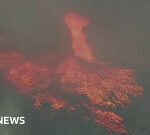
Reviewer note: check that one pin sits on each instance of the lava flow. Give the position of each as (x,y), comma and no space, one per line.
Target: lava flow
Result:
(80,75)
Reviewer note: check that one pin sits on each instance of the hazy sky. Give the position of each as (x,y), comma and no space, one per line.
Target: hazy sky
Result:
(119,29)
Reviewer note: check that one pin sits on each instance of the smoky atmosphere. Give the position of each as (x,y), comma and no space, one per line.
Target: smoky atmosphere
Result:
(74,67)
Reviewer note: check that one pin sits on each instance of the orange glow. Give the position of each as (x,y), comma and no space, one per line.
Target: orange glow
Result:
(29,77)
(103,86)
(112,121)
(56,103)
(76,23)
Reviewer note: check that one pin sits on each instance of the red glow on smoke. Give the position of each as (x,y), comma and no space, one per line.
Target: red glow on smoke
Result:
(103,86)
(76,23)
(10,60)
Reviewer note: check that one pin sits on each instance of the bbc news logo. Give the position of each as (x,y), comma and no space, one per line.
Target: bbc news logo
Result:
(12,120)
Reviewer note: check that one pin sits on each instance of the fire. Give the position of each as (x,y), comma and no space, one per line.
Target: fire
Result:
(103,86)
(106,87)
(110,120)
(76,23)
(29,77)
(56,103)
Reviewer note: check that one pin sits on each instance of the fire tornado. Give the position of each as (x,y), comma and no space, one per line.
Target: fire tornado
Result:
(79,74)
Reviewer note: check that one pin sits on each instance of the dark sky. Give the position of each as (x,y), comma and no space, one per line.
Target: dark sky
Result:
(119,32)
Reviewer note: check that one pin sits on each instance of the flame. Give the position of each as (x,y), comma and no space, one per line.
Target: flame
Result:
(103,86)
(76,23)
(29,76)
(106,87)
(56,103)
(110,120)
